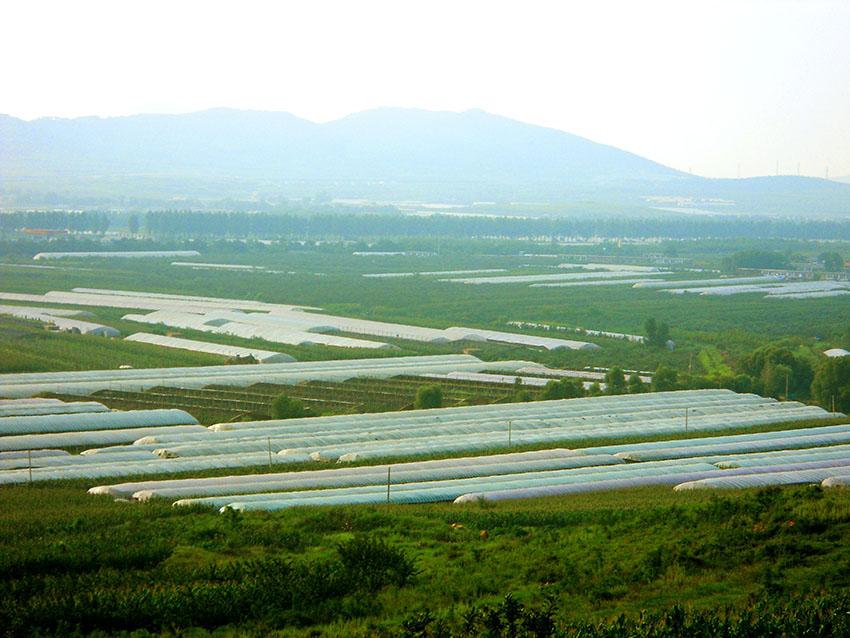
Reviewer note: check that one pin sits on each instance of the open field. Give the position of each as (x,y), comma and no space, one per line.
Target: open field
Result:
(151,567)
(78,563)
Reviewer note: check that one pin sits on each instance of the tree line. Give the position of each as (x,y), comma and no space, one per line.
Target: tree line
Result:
(327,221)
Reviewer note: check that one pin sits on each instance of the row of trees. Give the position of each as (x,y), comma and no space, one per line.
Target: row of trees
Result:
(326,221)
(350,224)
(76,221)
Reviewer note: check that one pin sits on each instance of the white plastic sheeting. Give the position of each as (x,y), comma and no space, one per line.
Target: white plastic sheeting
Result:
(72,460)
(722,281)
(117,253)
(130,468)
(88,437)
(27,312)
(279,323)
(352,437)
(61,322)
(204,265)
(611,267)
(481,377)
(289,336)
(88,382)
(214,485)
(757,459)
(594,283)
(435,491)
(767,479)
(263,356)
(837,352)
(267,328)
(770,289)
(15,425)
(23,454)
(391,275)
(572,374)
(399,478)
(793,440)
(528,279)
(183,301)
(550,343)
(683,478)
(815,294)
(731,448)
(54,407)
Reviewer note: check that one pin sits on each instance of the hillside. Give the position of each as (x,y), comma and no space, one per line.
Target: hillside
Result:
(385,154)
(399,144)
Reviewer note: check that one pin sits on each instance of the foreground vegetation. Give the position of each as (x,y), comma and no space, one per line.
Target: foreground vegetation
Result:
(631,563)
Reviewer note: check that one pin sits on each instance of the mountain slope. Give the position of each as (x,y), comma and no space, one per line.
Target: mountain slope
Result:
(384,154)
(395,144)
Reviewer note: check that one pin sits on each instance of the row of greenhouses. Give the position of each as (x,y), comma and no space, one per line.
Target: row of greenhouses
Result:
(261,356)
(88,382)
(280,323)
(33,430)
(298,327)
(105,254)
(468,479)
(88,421)
(557,277)
(448,431)
(59,319)
(33,407)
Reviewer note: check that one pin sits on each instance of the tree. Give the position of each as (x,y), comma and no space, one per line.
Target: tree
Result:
(832,383)
(636,386)
(657,333)
(761,364)
(664,379)
(832,261)
(777,380)
(563,389)
(428,396)
(285,407)
(615,379)
(133,224)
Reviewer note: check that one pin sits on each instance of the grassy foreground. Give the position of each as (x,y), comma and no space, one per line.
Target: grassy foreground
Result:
(748,563)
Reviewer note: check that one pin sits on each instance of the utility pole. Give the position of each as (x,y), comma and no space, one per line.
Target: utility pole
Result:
(389,470)
(686,419)
(270,451)
(510,427)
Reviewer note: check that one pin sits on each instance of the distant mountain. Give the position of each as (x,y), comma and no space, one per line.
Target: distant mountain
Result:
(384,153)
(394,144)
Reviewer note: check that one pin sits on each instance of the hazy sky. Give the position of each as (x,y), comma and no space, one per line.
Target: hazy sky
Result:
(708,86)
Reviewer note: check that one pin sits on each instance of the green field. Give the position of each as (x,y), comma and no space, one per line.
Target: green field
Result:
(74,562)
(639,563)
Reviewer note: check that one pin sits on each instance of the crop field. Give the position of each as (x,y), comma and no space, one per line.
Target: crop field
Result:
(153,568)
(632,557)
(215,404)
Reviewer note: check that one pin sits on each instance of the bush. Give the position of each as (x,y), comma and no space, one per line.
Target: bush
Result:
(428,396)
(285,407)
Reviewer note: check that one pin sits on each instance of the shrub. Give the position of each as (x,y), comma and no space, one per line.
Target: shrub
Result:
(285,407)
(429,396)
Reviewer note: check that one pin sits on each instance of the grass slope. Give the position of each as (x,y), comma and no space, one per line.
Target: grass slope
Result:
(69,561)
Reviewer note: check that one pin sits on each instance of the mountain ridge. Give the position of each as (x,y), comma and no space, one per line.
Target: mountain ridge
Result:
(388,152)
